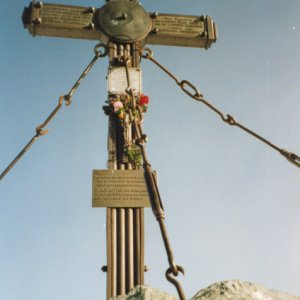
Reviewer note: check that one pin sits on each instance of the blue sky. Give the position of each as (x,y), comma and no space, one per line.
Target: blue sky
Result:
(232,204)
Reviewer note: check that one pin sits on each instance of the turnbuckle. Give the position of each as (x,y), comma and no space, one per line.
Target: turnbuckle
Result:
(291,157)
(157,207)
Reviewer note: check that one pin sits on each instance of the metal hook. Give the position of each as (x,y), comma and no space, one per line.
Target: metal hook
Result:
(148,54)
(175,282)
(98,53)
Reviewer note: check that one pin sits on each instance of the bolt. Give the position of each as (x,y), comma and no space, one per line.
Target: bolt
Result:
(154,15)
(145,138)
(155,30)
(91,10)
(104,269)
(91,26)
(37,21)
(38,4)
(146,269)
(123,17)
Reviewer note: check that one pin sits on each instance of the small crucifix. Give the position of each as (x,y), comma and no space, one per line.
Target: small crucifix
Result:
(124,27)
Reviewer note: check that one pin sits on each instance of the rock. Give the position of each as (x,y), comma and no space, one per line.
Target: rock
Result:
(145,293)
(238,290)
(224,290)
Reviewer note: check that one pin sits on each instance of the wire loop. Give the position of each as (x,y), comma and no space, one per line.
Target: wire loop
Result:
(185,83)
(148,53)
(67,98)
(193,92)
(98,52)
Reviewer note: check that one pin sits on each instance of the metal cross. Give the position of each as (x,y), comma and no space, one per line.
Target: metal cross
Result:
(124,27)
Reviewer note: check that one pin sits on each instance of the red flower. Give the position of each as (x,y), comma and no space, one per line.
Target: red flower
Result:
(144,100)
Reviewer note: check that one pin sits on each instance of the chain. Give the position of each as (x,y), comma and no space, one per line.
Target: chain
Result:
(194,93)
(40,131)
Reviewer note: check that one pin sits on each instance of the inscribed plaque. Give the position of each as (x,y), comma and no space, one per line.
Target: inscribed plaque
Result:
(65,16)
(179,25)
(120,188)
(118,81)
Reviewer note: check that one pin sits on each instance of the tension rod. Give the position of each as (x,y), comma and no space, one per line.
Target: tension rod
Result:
(40,131)
(194,93)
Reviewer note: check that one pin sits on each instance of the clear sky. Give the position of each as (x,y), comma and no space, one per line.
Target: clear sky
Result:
(232,204)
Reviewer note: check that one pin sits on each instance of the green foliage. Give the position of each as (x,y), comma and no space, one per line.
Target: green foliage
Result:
(134,155)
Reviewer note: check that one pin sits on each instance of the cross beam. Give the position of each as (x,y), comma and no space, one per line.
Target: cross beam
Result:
(92,23)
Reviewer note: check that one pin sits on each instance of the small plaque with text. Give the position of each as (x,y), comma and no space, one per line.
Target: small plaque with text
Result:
(120,188)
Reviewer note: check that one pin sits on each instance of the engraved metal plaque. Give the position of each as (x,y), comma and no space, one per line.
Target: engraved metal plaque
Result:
(120,188)
(181,30)
(179,25)
(56,15)
(118,83)
(121,20)
(58,20)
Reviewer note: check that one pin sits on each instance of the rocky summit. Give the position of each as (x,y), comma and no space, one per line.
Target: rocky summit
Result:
(239,290)
(224,290)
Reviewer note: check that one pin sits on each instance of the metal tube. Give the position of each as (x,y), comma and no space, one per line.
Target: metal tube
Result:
(129,250)
(111,231)
(121,50)
(137,247)
(142,245)
(121,259)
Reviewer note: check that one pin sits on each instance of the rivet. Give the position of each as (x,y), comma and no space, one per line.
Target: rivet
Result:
(154,15)
(37,21)
(91,26)
(104,269)
(91,10)
(38,4)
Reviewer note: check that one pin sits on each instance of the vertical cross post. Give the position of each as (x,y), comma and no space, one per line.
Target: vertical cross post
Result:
(125,226)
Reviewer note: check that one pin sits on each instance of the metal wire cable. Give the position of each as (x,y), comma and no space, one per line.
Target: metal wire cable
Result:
(40,131)
(194,93)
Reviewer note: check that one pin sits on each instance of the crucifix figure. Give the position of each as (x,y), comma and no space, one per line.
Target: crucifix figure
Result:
(124,27)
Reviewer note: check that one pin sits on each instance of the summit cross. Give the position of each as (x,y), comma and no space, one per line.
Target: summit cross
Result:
(123,27)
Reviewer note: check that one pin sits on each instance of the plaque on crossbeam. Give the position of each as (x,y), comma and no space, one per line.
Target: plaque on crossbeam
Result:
(182,30)
(119,188)
(57,20)
(121,21)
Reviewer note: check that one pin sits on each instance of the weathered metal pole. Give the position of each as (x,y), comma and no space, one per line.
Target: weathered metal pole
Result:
(125,226)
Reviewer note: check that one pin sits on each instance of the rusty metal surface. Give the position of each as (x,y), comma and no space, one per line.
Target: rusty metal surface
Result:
(58,20)
(122,21)
(125,265)
(181,30)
